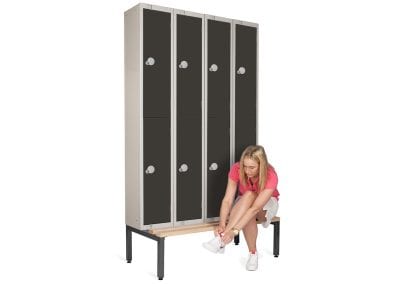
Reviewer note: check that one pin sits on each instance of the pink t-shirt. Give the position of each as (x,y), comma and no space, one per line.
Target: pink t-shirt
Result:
(271,182)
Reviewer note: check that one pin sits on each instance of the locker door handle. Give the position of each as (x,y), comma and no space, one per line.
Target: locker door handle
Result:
(150,170)
(241,70)
(150,61)
(213,68)
(213,167)
(184,64)
(183,168)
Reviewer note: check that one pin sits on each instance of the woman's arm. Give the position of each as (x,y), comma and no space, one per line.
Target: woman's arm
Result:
(226,205)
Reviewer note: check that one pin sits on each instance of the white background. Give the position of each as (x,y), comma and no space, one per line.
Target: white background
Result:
(329,120)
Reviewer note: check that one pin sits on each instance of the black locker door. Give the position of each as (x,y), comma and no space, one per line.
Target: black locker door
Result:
(189,190)
(218,164)
(189,118)
(156,117)
(156,63)
(246,88)
(218,128)
(157,171)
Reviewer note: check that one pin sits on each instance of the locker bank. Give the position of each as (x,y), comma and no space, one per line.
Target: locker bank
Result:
(190,110)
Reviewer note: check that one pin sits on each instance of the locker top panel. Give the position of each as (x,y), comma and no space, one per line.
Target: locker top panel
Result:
(194,14)
(152,7)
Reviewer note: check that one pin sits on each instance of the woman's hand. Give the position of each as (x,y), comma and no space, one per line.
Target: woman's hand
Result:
(227,236)
(219,230)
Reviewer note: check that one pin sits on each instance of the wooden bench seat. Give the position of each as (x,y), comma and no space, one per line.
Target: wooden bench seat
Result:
(191,229)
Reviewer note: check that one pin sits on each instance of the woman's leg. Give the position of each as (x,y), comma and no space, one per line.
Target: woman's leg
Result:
(240,208)
(250,232)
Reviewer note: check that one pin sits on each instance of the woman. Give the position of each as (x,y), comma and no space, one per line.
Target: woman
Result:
(257,200)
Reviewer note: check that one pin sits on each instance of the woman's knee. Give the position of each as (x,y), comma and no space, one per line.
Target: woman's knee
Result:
(249,195)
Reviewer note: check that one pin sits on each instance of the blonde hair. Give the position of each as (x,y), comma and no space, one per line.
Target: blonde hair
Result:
(257,154)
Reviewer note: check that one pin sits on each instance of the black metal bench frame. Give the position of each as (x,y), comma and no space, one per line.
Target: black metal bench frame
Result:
(160,245)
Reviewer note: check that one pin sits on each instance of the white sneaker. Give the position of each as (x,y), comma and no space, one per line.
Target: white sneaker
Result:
(269,217)
(215,245)
(252,262)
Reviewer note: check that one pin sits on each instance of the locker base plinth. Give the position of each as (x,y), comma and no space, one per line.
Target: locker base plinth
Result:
(159,235)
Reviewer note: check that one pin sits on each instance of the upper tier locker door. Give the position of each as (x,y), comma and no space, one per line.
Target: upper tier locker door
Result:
(218,108)
(245,88)
(156,117)
(189,91)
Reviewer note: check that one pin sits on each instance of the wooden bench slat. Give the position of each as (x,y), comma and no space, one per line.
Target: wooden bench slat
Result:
(166,232)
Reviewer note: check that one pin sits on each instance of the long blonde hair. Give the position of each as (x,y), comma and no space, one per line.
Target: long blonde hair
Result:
(257,154)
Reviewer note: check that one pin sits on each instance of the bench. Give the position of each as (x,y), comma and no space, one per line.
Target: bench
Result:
(160,234)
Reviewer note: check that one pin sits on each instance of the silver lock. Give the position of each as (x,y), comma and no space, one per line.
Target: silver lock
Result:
(184,64)
(213,167)
(150,61)
(213,68)
(150,170)
(241,70)
(183,168)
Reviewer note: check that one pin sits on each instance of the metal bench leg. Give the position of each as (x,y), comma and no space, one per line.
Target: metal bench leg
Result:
(160,248)
(236,240)
(128,245)
(276,238)
(160,258)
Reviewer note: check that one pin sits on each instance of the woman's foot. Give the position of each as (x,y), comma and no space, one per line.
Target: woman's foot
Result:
(252,262)
(215,245)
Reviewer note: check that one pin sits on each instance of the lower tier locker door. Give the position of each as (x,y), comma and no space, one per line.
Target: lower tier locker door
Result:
(245,88)
(189,174)
(218,156)
(157,171)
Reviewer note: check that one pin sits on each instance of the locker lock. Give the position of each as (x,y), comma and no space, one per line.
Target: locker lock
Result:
(213,68)
(241,70)
(213,167)
(150,61)
(184,64)
(150,170)
(183,168)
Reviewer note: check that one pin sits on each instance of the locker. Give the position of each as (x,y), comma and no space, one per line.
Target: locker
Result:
(156,116)
(156,200)
(190,109)
(246,88)
(157,74)
(218,112)
(189,93)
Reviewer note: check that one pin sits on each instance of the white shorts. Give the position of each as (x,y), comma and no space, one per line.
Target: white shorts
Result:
(272,207)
